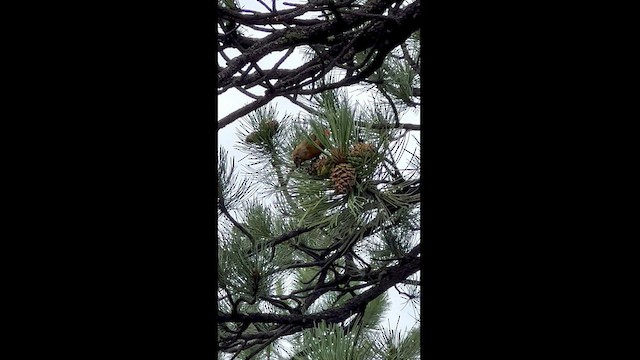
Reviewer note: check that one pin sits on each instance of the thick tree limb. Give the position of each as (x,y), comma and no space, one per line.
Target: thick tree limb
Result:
(338,40)
(392,276)
(244,110)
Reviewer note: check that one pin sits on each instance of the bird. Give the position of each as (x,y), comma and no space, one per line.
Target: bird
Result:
(307,151)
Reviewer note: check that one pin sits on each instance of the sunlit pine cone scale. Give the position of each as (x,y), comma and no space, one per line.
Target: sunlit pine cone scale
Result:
(343,177)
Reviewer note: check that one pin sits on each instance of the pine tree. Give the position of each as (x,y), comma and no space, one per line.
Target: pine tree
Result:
(309,245)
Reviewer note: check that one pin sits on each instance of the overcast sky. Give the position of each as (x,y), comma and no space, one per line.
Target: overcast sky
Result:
(232,100)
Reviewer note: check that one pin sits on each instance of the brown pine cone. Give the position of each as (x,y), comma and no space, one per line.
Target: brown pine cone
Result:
(343,177)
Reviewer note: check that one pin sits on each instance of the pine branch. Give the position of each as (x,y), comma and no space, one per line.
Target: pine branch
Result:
(388,278)
(365,26)
(282,238)
(224,210)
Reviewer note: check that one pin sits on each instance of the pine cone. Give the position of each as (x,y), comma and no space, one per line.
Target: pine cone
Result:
(252,138)
(320,167)
(362,150)
(338,156)
(272,126)
(343,177)
(325,167)
(313,168)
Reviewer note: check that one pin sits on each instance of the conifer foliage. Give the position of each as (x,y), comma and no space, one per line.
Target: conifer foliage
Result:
(326,220)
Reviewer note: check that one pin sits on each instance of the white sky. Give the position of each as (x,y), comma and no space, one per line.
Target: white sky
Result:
(401,313)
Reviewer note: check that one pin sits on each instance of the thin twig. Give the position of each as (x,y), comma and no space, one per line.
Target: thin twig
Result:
(266,6)
(284,237)
(393,106)
(407,57)
(224,210)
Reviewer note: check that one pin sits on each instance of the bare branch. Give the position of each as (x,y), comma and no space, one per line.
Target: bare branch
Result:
(244,110)
(392,276)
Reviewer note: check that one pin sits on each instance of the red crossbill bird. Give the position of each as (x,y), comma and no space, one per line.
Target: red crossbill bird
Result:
(307,151)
